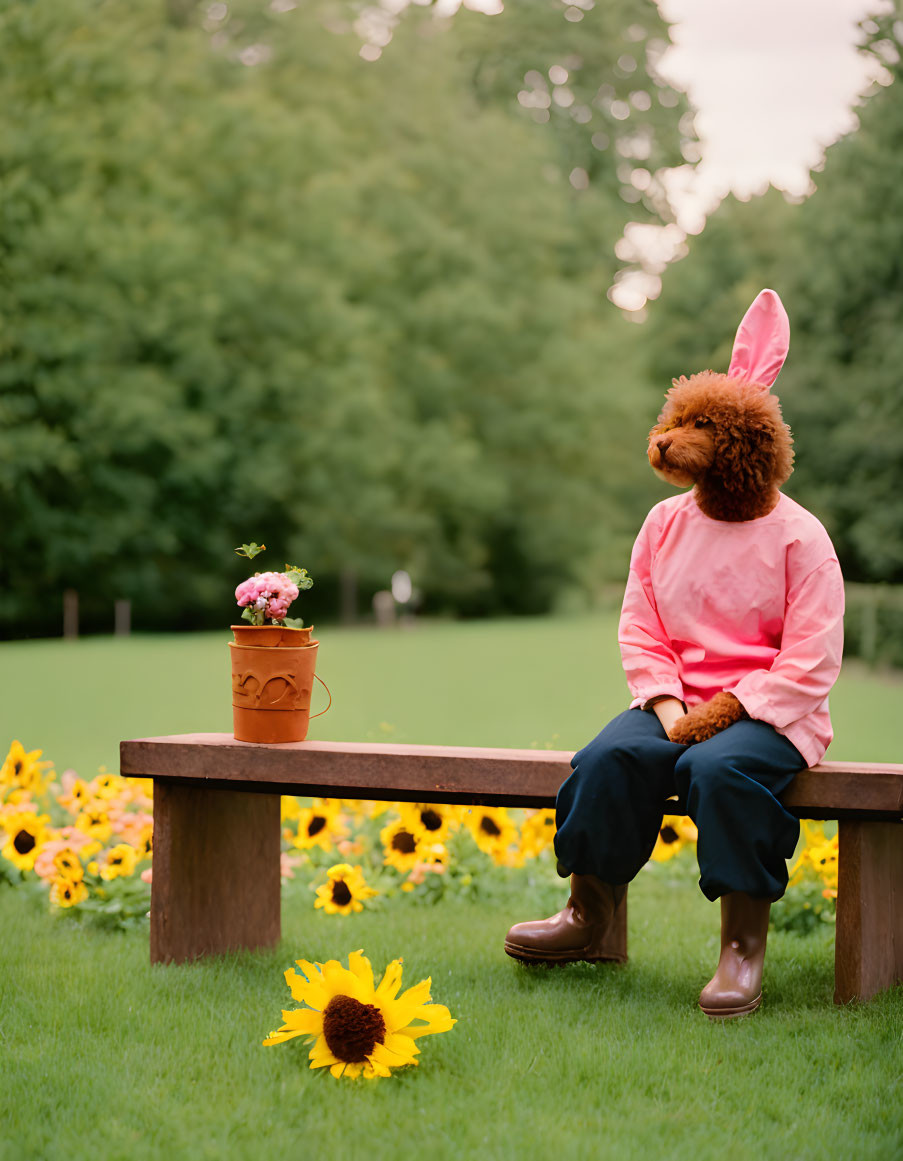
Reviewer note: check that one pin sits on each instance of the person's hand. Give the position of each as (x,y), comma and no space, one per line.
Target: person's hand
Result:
(668,711)
(706,720)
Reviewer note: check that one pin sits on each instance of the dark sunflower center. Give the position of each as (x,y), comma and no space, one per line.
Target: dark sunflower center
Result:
(341,896)
(316,825)
(404,842)
(17,769)
(669,835)
(352,1029)
(431,820)
(24,842)
(487,826)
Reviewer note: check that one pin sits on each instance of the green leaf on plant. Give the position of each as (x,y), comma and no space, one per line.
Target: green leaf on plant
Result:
(250,550)
(298,576)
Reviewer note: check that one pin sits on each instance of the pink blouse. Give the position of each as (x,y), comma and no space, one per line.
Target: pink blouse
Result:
(754,607)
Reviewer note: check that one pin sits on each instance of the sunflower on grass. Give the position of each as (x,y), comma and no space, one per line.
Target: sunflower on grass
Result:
(344,891)
(145,841)
(402,840)
(65,892)
(75,796)
(319,825)
(22,774)
(95,822)
(68,865)
(119,862)
(434,820)
(358,1028)
(26,833)
(493,831)
(675,832)
(107,786)
(536,834)
(819,855)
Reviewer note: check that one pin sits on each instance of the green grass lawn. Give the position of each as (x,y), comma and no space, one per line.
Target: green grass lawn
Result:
(539,682)
(105,1057)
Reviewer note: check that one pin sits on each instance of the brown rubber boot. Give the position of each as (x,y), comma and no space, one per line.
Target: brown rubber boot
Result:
(736,987)
(592,927)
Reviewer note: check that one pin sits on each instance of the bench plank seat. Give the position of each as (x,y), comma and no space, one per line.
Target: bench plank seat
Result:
(462,774)
(217,831)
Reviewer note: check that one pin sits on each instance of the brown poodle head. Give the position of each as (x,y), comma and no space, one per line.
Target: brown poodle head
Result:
(728,438)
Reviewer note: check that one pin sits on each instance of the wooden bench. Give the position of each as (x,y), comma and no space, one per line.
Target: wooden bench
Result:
(216,882)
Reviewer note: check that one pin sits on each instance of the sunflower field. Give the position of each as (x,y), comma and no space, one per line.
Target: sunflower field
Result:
(89,845)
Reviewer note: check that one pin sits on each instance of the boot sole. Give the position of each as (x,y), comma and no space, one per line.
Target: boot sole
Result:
(730,1013)
(551,958)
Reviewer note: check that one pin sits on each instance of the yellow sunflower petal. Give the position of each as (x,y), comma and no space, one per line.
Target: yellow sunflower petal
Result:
(313,994)
(321,1055)
(391,981)
(311,970)
(409,1001)
(339,981)
(338,1069)
(306,1020)
(386,1056)
(437,1017)
(282,1035)
(362,968)
(401,1045)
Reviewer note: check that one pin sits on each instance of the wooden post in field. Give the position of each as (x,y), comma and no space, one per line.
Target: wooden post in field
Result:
(70,614)
(122,618)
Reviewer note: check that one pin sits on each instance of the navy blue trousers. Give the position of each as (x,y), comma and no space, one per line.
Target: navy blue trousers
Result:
(610,809)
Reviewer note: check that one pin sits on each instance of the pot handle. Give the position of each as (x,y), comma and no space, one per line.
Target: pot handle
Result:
(326,687)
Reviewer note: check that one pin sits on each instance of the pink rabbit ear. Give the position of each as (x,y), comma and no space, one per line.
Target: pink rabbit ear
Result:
(762,342)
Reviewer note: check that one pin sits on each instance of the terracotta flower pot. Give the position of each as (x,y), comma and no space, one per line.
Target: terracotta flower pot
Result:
(276,635)
(271,688)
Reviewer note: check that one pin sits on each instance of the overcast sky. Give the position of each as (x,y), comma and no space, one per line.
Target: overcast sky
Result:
(774,83)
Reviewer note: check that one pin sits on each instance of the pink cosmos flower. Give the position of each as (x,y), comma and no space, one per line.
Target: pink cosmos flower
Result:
(69,837)
(287,864)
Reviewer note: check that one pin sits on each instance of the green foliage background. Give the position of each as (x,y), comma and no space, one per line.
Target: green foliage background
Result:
(255,286)
(351,309)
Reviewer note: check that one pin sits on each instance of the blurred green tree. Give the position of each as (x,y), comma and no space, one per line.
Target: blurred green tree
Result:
(256,286)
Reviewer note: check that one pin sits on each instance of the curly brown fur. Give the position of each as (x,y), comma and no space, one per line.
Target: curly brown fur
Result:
(705,720)
(726,437)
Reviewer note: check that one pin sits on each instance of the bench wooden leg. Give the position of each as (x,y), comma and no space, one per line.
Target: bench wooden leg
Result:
(216,882)
(868,949)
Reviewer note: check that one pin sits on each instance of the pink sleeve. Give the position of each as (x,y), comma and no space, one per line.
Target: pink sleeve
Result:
(805,669)
(650,663)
